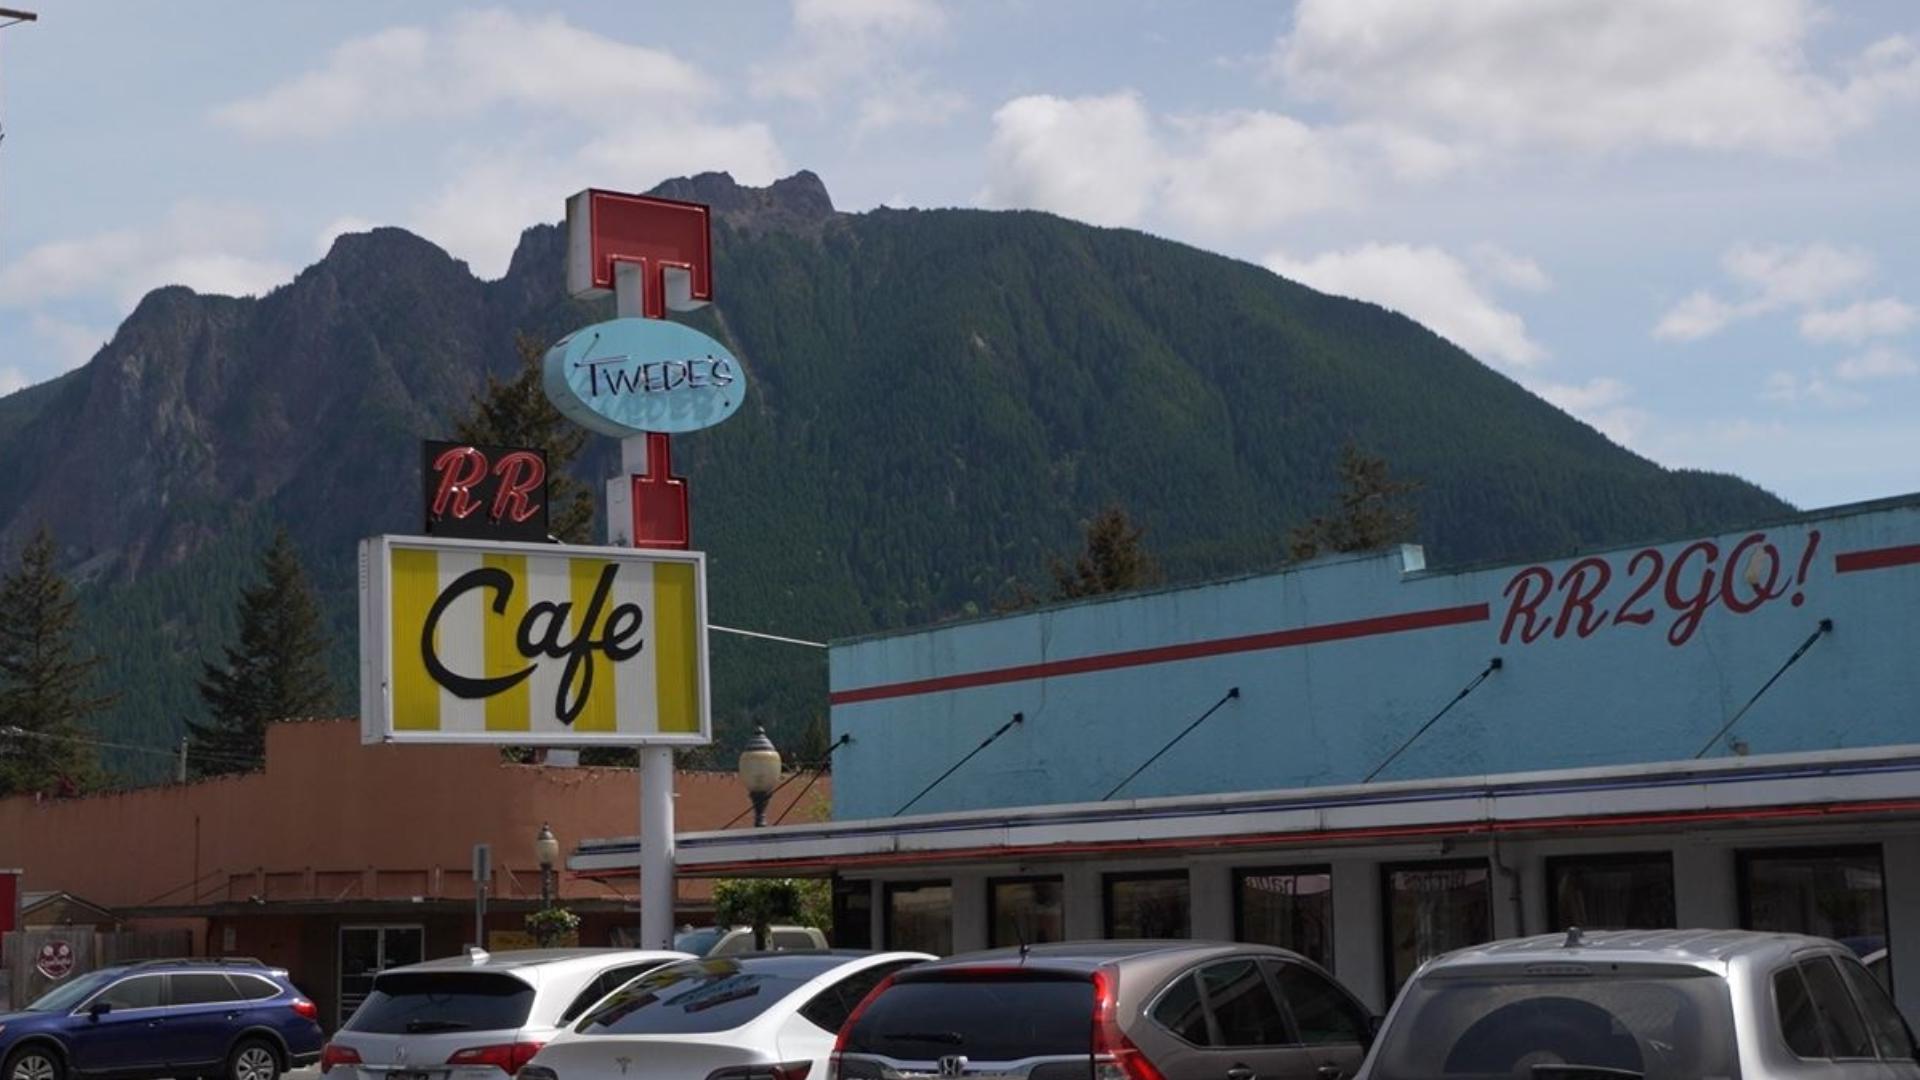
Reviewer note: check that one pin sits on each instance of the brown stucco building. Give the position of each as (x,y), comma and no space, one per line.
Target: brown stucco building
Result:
(339,859)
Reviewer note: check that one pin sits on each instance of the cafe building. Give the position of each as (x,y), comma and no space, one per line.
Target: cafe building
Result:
(1373,762)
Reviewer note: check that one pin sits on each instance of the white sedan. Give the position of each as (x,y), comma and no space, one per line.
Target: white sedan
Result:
(766,1016)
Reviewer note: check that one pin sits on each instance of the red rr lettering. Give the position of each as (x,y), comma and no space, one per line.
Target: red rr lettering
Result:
(1583,583)
(1526,603)
(460,469)
(521,474)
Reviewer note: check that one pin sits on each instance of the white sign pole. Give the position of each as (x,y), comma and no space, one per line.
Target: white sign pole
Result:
(657,892)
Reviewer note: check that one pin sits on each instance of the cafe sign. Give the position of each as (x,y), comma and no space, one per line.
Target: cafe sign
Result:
(629,376)
(532,644)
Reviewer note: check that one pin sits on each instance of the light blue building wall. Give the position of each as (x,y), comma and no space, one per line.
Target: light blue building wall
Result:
(1637,654)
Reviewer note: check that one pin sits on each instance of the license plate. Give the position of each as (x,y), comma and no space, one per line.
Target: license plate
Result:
(408,1076)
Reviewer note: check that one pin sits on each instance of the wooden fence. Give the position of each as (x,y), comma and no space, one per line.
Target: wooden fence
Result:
(27,957)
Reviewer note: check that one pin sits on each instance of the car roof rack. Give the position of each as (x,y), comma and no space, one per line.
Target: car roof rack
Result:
(196,961)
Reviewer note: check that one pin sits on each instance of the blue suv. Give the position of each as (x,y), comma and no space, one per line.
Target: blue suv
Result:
(235,1020)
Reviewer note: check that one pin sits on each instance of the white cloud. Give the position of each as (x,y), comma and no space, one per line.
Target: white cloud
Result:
(12,380)
(1253,170)
(473,64)
(1855,323)
(1601,402)
(207,247)
(1094,158)
(1775,276)
(1426,284)
(72,343)
(859,44)
(1593,74)
(1787,388)
(1509,269)
(1879,362)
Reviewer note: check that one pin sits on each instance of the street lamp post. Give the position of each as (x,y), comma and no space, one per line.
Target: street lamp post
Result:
(760,773)
(546,849)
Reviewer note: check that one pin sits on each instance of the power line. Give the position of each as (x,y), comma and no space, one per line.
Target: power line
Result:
(171,752)
(1230,695)
(1825,628)
(767,637)
(814,767)
(1018,718)
(1493,665)
(817,774)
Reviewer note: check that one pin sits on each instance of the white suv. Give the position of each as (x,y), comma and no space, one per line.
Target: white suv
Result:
(482,1015)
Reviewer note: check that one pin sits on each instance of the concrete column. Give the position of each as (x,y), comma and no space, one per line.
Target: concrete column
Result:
(1210,887)
(970,930)
(1900,858)
(1703,887)
(1080,894)
(877,915)
(1533,893)
(657,891)
(1359,959)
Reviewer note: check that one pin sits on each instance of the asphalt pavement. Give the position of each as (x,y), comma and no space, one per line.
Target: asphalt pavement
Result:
(311,1072)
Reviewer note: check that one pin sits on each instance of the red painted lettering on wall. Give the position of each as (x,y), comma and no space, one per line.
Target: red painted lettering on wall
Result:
(1697,578)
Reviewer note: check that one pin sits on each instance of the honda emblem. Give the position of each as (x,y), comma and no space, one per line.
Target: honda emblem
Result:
(953,1065)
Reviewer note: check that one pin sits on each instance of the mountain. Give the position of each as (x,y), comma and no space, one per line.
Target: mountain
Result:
(938,398)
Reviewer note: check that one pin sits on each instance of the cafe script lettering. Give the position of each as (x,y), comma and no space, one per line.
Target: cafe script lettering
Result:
(1652,589)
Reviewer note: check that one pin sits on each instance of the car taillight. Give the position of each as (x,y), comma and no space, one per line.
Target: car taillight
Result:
(303,1007)
(1114,1055)
(507,1057)
(840,1041)
(335,1054)
(786,1070)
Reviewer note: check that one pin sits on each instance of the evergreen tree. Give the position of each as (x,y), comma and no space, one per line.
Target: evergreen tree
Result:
(516,412)
(44,680)
(1372,511)
(1111,559)
(278,671)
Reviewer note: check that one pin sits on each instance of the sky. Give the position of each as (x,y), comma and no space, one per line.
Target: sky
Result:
(1691,225)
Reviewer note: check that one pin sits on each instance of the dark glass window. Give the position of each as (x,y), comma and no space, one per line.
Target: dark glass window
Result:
(1434,908)
(985,1019)
(424,1003)
(920,916)
(700,996)
(139,992)
(1611,892)
(602,985)
(1837,893)
(852,914)
(201,988)
(830,1008)
(1889,1029)
(1025,910)
(1845,1030)
(1798,1022)
(1291,907)
(254,988)
(1148,905)
(1324,1015)
(1243,1005)
(1180,1011)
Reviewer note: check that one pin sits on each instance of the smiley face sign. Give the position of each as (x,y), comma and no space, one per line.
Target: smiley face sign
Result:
(55,960)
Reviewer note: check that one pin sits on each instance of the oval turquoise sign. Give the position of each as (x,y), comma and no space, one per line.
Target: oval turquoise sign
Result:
(632,375)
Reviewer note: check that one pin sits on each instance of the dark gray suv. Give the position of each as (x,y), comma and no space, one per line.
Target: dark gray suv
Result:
(1111,1010)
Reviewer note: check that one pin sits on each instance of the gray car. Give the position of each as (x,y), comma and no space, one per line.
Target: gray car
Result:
(1662,1005)
(1181,1010)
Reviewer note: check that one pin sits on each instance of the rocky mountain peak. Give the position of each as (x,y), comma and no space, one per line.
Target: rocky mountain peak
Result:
(798,203)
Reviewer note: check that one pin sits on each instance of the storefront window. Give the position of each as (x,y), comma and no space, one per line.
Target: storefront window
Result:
(1434,908)
(852,914)
(1148,905)
(920,916)
(1611,892)
(1836,892)
(1291,907)
(1025,910)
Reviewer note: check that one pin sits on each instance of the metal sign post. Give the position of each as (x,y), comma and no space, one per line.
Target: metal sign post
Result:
(482,875)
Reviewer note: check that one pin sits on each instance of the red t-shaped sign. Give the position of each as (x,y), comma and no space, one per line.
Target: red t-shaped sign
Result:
(653,254)
(666,242)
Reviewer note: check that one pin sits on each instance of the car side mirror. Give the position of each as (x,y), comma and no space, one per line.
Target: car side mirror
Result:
(99,1009)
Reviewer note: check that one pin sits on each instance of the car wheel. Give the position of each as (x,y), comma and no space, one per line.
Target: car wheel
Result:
(251,1060)
(33,1063)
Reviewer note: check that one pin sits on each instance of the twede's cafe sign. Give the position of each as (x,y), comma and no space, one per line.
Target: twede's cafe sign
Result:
(540,644)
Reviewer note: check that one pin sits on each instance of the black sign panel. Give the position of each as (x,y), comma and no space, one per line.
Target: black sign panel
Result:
(484,492)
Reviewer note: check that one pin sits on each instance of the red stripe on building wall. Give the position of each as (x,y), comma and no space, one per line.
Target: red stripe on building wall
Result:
(1192,650)
(1876,558)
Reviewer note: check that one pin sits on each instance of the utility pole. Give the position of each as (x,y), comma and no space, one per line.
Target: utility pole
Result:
(180,771)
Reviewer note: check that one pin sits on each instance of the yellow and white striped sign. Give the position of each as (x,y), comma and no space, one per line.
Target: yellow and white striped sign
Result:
(531,644)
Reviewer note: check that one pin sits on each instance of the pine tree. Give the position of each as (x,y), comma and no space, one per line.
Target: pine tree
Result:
(516,412)
(1111,559)
(1372,511)
(44,680)
(279,669)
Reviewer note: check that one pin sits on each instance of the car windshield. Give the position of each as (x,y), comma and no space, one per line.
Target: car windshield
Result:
(66,997)
(1573,1024)
(426,1002)
(698,942)
(696,996)
(985,1019)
